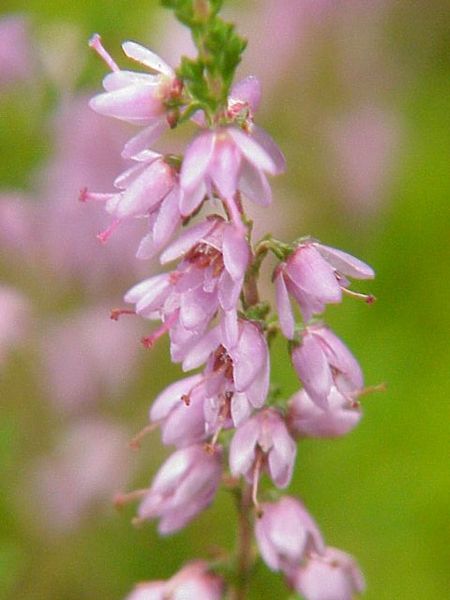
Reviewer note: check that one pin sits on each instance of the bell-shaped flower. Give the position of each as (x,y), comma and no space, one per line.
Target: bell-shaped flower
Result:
(210,276)
(184,486)
(315,275)
(182,422)
(263,443)
(226,160)
(149,189)
(194,581)
(138,98)
(286,534)
(323,361)
(236,373)
(307,419)
(333,575)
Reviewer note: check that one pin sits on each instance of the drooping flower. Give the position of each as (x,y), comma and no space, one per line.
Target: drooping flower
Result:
(184,486)
(333,575)
(263,443)
(149,189)
(210,276)
(286,533)
(182,423)
(315,275)
(229,160)
(323,361)
(306,418)
(236,374)
(194,581)
(138,98)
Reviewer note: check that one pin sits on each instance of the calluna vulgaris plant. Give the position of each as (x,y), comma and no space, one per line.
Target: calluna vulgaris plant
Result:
(227,423)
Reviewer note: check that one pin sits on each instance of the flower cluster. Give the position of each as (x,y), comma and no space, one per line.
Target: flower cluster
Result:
(224,420)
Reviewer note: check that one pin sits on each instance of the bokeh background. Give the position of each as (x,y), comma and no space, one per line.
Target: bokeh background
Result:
(357,93)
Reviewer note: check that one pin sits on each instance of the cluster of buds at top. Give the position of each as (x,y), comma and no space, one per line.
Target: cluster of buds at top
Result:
(220,419)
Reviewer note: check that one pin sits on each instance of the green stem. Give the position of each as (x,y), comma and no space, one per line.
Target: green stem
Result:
(244,543)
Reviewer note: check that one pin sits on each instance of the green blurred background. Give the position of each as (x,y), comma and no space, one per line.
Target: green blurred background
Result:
(382,493)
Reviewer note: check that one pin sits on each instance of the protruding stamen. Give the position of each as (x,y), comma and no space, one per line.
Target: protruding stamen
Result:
(104,236)
(368,298)
(135,442)
(96,44)
(86,196)
(151,339)
(117,312)
(255,484)
(122,499)
(211,446)
(380,387)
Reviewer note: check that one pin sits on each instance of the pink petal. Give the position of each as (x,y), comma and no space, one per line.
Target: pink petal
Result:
(191,200)
(120,79)
(285,316)
(310,272)
(146,191)
(282,456)
(249,356)
(196,160)
(242,448)
(312,367)
(168,218)
(138,291)
(137,147)
(247,90)
(252,151)
(236,253)
(346,263)
(230,328)
(133,103)
(257,391)
(340,357)
(254,185)
(266,142)
(229,291)
(187,240)
(147,57)
(240,408)
(200,352)
(224,166)
(197,308)
(126,178)
(171,396)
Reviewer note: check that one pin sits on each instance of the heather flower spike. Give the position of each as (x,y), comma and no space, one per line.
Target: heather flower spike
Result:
(223,417)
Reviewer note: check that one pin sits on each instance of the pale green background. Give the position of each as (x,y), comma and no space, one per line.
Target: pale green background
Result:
(383,492)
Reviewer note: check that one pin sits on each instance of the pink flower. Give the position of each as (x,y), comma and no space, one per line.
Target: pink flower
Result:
(139,98)
(323,361)
(184,486)
(334,575)
(228,159)
(315,275)
(148,189)
(211,274)
(236,374)
(261,442)
(182,424)
(286,533)
(193,582)
(340,416)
